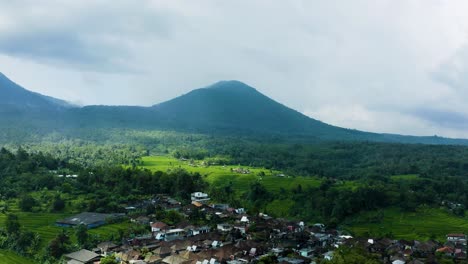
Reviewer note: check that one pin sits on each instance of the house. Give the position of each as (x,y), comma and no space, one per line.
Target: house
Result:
(398,261)
(158,227)
(220,206)
(242,229)
(245,220)
(106,247)
(162,252)
(224,227)
(448,251)
(197,204)
(306,252)
(291,260)
(200,197)
(174,234)
(82,257)
(456,238)
(329,255)
(239,211)
(174,259)
(90,220)
(199,230)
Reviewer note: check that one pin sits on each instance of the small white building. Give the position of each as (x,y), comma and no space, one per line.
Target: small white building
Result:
(328,256)
(224,227)
(200,197)
(456,238)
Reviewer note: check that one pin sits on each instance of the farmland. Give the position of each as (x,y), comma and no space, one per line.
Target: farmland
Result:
(220,174)
(8,257)
(423,224)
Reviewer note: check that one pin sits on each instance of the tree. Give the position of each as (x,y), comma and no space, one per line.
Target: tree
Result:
(59,245)
(26,203)
(59,204)
(12,224)
(82,235)
(270,259)
(109,260)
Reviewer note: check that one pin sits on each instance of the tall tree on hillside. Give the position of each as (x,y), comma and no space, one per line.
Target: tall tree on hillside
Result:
(82,235)
(59,245)
(12,224)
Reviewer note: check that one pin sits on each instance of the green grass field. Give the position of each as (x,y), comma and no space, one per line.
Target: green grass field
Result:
(44,225)
(41,223)
(8,257)
(406,177)
(423,224)
(221,175)
(106,231)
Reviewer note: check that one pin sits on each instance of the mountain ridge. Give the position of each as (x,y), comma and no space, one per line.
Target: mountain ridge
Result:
(11,93)
(225,107)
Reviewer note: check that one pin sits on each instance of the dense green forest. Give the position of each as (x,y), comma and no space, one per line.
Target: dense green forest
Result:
(110,178)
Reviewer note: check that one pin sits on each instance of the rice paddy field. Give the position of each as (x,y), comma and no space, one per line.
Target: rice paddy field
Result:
(8,257)
(220,174)
(424,224)
(44,225)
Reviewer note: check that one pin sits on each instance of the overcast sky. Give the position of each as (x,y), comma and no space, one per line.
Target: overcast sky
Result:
(398,66)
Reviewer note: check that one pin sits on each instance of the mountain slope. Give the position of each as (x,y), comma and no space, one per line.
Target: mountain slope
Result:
(224,108)
(14,96)
(235,106)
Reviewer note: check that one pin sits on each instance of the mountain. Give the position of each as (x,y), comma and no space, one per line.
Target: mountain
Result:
(224,108)
(13,96)
(235,106)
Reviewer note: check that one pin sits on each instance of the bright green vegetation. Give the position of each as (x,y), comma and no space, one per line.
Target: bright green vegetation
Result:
(40,223)
(8,257)
(333,183)
(43,223)
(407,177)
(425,223)
(223,174)
(107,232)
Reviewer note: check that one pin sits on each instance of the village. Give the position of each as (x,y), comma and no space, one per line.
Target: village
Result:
(236,237)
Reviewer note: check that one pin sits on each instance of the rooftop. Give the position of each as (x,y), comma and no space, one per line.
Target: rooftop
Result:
(82,255)
(85,219)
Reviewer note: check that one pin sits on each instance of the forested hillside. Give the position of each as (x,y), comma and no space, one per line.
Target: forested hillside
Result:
(227,108)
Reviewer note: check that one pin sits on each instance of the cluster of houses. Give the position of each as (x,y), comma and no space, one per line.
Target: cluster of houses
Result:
(455,246)
(240,170)
(74,176)
(239,238)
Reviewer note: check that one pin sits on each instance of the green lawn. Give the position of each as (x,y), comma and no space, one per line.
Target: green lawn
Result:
(8,257)
(423,224)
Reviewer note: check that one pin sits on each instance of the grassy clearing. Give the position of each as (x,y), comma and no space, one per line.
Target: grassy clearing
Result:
(406,177)
(8,257)
(43,223)
(221,175)
(425,223)
(107,231)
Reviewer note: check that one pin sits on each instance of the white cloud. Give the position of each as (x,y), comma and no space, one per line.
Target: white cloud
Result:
(385,62)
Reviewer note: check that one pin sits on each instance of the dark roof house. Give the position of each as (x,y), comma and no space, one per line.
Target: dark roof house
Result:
(83,256)
(90,220)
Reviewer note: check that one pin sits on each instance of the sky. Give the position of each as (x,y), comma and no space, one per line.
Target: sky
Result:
(395,66)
